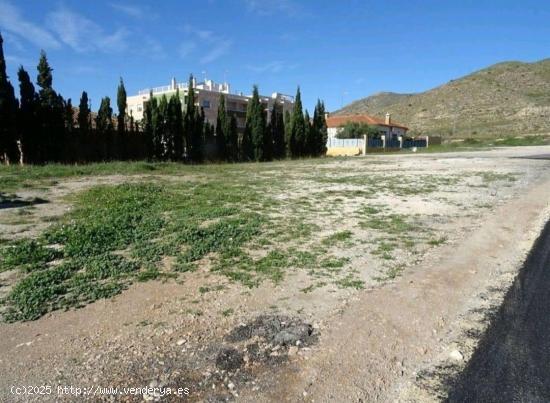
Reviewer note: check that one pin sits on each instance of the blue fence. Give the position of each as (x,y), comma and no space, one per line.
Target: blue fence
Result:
(415,143)
(375,143)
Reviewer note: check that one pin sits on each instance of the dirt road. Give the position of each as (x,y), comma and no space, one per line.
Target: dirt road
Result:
(378,349)
(511,362)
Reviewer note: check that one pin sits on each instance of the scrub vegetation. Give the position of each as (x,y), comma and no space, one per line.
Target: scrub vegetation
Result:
(246,223)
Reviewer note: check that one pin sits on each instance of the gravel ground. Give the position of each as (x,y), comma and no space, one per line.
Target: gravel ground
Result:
(410,329)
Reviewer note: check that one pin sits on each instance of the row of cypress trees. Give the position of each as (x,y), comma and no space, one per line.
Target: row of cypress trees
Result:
(41,127)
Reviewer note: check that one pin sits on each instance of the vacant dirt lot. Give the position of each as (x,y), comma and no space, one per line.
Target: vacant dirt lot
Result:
(345,279)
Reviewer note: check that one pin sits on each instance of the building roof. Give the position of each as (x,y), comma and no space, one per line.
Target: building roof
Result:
(340,120)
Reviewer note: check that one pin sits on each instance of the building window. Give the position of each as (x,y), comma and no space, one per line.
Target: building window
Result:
(206,104)
(140,108)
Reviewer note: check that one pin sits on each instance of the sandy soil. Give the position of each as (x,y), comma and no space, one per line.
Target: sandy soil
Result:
(397,339)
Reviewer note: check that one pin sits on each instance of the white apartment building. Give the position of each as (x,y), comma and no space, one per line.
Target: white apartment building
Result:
(207,95)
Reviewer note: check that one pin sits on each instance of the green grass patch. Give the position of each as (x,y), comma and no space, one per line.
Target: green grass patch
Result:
(118,234)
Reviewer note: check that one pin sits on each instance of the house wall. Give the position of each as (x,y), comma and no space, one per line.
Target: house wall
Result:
(387,131)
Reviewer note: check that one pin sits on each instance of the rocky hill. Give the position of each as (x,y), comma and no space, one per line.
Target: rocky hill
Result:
(510,98)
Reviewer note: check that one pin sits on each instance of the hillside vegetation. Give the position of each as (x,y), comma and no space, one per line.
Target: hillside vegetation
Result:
(506,99)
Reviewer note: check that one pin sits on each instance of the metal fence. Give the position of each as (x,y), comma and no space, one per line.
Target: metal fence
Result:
(375,143)
(414,143)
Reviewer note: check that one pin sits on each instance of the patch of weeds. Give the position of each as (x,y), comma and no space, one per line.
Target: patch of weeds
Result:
(437,241)
(151,273)
(395,271)
(333,262)
(118,234)
(27,254)
(350,282)
(312,287)
(205,289)
(489,177)
(390,223)
(338,237)
(227,312)
(37,293)
(303,259)
(239,266)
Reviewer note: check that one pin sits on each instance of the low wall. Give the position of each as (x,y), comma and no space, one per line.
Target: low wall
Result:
(344,151)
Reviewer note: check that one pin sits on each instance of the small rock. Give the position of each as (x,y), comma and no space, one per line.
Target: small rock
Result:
(292,350)
(231,385)
(180,342)
(456,355)
(229,359)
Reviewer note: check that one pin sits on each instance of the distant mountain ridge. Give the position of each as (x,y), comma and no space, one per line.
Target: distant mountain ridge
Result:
(509,98)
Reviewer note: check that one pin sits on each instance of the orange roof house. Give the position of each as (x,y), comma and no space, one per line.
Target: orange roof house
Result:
(340,120)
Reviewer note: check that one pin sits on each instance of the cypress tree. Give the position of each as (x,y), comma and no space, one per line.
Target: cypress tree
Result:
(156,127)
(320,129)
(189,119)
(222,127)
(246,151)
(69,116)
(8,113)
(297,128)
(177,125)
(288,132)
(268,138)
(104,119)
(83,118)
(27,117)
(161,134)
(51,112)
(104,127)
(148,126)
(120,139)
(308,141)
(121,104)
(255,127)
(233,140)
(198,136)
(277,129)
(193,126)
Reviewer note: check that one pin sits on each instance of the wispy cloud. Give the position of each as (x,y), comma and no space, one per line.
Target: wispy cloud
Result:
(18,61)
(134,11)
(12,21)
(84,35)
(214,45)
(273,67)
(128,9)
(219,49)
(186,48)
(151,48)
(270,7)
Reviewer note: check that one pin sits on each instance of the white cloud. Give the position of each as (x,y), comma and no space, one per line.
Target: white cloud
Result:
(152,49)
(186,48)
(214,46)
(219,49)
(18,61)
(270,7)
(129,9)
(274,67)
(12,21)
(84,35)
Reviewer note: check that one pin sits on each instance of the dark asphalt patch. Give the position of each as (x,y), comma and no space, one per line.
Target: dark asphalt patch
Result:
(512,361)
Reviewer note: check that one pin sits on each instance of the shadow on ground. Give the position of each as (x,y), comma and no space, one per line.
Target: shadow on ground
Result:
(13,201)
(512,360)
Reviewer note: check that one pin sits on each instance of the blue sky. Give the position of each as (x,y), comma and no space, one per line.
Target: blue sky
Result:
(335,50)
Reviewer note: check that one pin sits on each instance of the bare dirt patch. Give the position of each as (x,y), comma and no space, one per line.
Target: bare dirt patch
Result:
(343,230)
